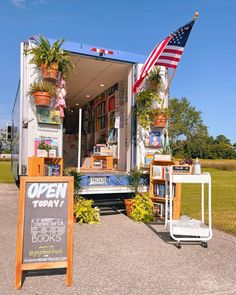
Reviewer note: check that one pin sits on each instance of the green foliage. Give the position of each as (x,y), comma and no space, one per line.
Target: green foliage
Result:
(189,136)
(154,80)
(44,146)
(185,121)
(42,86)
(85,213)
(144,107)
(77,179)
(142,209)
(223,198)
(135,178)
(5,172)
(45,53)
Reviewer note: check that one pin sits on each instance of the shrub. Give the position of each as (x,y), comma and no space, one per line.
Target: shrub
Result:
(85,213)
(142,209)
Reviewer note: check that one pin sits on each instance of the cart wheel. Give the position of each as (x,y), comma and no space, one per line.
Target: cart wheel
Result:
(179,246)
(204,244)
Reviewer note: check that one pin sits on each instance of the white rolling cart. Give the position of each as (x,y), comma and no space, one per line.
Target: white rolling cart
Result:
(185,228)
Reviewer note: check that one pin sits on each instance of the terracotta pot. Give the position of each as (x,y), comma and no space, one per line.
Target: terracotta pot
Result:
(42,98)
(159,121)
(49,71)
(128,206)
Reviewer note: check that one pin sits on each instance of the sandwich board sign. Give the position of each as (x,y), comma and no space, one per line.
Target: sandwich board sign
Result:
(45,224)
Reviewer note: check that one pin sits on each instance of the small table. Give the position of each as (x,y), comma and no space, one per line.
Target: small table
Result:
(108,159)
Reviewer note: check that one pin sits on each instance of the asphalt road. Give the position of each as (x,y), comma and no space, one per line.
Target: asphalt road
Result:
(122,257)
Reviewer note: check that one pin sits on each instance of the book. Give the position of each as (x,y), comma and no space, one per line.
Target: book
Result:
(54,169)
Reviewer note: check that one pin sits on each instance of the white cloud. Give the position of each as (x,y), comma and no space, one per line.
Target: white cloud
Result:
(23,3)
(19,3)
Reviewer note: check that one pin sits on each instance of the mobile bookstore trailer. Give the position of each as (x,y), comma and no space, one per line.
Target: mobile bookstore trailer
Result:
(99,134)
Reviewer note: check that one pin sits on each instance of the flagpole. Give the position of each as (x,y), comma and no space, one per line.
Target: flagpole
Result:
(172,75)
(168,86)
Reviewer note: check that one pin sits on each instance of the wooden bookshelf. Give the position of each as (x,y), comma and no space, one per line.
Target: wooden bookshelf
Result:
(36,165)
(161,200)
(108,161)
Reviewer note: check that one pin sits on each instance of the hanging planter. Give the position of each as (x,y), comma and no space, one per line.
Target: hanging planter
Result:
(49,71)
(42,92)
(42,98)
(50,58)
(159,121)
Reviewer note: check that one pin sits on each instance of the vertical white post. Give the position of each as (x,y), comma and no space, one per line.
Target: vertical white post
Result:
(202,202)
(79,138)
(129,121)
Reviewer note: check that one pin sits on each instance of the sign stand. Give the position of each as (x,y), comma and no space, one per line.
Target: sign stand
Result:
(45,225)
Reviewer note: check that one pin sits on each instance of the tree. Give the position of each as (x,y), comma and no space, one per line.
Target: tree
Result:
(188,135)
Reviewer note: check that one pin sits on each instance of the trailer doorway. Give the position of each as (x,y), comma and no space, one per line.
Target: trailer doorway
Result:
(100,88)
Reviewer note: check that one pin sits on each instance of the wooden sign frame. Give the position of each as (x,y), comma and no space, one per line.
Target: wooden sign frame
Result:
(20,267)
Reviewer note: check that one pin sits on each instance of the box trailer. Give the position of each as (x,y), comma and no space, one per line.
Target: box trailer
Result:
(98,119)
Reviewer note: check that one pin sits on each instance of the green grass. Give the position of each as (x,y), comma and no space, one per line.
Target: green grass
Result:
(5,172)
(223,200)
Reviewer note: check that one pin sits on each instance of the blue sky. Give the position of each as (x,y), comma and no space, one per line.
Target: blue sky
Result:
(206,72)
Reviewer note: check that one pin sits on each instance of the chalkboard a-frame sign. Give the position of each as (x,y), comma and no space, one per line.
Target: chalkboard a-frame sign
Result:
(45,225)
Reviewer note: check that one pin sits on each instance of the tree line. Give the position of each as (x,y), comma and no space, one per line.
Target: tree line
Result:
(189,136)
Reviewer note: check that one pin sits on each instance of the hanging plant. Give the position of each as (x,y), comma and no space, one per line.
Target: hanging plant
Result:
(50,58)
(144,107)
(42,91)
(154,80)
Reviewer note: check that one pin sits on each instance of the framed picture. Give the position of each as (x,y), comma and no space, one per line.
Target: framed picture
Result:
(45,116)
(154,139)
(157,172)
(148,159)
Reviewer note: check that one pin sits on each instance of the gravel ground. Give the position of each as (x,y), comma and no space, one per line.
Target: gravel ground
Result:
(122,257)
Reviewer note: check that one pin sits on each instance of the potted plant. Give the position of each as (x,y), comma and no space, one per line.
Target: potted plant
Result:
(50,58)
(150,110)
(144,107)
(154,80)
(42,92)
(159,117)
(134,177)
(43,149)
(140,208)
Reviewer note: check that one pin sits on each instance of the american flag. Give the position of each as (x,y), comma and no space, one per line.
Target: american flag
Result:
(167,53)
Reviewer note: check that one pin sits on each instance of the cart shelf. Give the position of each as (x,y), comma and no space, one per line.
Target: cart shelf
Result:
(186,228)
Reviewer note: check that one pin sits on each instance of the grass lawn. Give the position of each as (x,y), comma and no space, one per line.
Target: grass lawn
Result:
(223,200)
(5,172)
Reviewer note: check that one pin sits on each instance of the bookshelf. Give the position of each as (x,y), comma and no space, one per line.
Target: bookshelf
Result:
(39,166)
(101,115)
(157,189)
(112,131)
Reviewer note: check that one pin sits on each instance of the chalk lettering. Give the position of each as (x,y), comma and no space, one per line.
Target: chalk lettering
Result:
(52,190)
